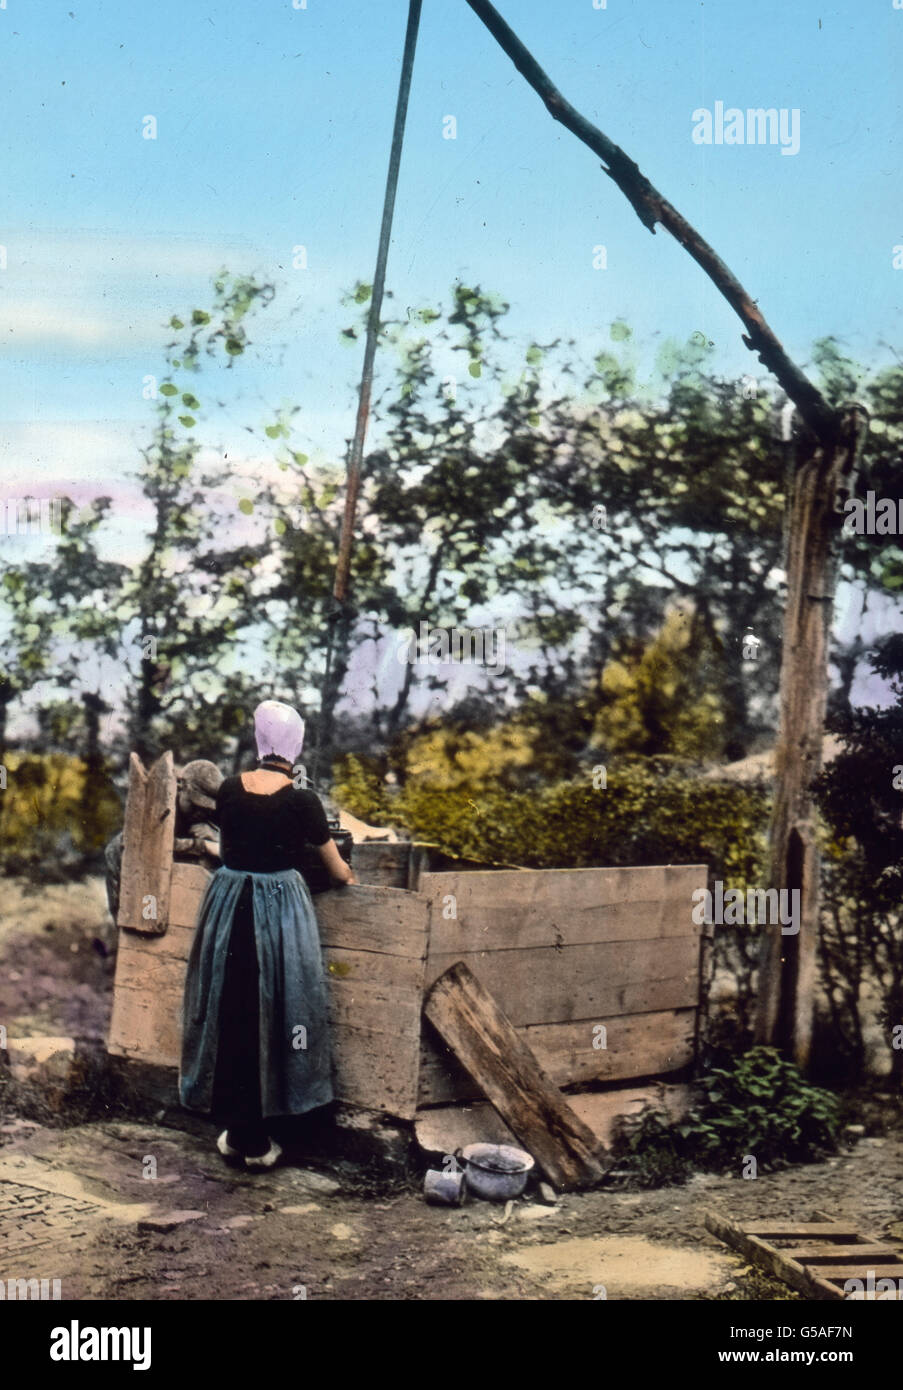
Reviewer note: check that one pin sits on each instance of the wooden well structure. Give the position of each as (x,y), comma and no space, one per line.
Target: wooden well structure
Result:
(563,951)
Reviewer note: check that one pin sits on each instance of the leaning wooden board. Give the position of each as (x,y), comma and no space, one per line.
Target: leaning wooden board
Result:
(496,1056)
(817,1258)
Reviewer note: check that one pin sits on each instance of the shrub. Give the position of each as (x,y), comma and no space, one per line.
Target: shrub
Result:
(54,819)
(359,788)
(760,1106)
(650,812)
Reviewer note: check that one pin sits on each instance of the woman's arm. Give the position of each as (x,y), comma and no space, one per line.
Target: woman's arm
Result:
(335,863)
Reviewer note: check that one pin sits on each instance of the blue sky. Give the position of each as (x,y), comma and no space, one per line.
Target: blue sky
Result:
(273,126)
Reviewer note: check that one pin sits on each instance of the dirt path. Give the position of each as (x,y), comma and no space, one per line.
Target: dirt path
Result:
(76,1205)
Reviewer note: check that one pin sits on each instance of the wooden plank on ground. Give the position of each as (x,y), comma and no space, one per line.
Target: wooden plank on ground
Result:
(486,1043)
(842,1272)
(637,1045)
(836,1252)
(602,980)
(757,1249)
(150,818)
(787,1229)
(500,910)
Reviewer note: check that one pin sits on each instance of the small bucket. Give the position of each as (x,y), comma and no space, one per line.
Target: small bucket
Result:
(444,1189)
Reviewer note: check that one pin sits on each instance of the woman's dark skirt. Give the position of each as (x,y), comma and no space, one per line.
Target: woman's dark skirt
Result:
(255,1039)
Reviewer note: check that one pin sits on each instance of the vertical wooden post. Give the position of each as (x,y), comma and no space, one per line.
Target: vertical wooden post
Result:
(788,963)
(150,818)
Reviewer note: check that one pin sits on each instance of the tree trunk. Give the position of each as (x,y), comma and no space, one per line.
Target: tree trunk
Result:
(788,962)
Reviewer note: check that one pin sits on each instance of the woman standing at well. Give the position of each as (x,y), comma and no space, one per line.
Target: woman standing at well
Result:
(255,1041)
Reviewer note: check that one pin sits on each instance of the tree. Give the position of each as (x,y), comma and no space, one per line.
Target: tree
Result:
(51,609)
(182,612)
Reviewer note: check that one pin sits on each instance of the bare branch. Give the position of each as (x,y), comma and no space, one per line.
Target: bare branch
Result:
(651,207)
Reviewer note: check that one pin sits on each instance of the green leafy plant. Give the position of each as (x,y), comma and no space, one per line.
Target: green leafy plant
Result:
(760,1106)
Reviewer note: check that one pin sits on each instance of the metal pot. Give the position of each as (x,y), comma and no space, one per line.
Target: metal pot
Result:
(496,1172)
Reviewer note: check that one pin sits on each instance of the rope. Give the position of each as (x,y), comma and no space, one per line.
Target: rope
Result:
(356,453)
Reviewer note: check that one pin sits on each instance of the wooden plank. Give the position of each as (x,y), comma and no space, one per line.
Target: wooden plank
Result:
(542,984)
(374,1073)
(374,947)
(380,863)
(390,921)
(787,1229)
(444,1129)
(836,1252)
(485,1041)
(500,910)
(146,1026)
(187,885)
(175,943)
(637,1045)
(389,1010)
(773,1261)
(149,830)
(840,1272)
(373,967)
(374,942)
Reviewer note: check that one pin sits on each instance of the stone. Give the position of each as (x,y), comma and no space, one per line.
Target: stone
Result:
(533,1212)
(170,1220)
(41,1059)
(316,1182)
(854,1131)
(547,1194)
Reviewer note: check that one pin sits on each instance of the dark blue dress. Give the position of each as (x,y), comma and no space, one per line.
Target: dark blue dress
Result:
(255,1038)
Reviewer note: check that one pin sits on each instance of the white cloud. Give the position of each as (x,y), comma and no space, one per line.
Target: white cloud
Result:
(90,290)
(44,321)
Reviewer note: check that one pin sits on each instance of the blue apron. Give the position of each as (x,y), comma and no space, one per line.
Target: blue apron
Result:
(295,1050)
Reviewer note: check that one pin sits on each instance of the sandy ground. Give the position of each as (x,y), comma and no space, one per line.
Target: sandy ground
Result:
(126,1209)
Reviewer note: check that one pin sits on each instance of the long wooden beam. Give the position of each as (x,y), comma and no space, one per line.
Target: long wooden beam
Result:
(651,207)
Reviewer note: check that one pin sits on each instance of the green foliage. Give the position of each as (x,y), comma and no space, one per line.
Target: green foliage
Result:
(359,788)
(665,694)
(48,828)
(759,1106)
(763,1106)
(650,1152)
(650,812)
